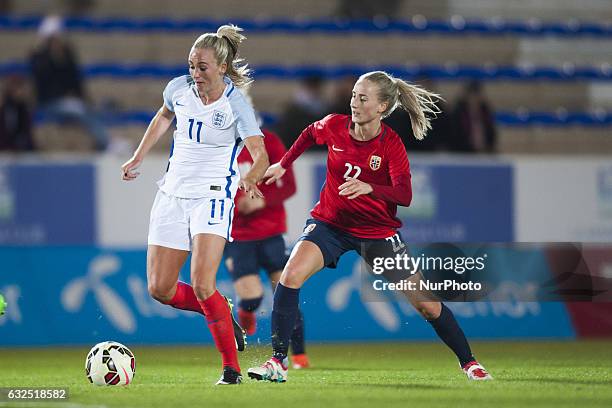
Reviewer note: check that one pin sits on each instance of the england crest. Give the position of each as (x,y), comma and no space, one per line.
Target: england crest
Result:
(375,162)
(218,119)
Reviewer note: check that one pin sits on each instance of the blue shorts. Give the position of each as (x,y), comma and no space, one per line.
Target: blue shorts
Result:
(334,242)
(248,257)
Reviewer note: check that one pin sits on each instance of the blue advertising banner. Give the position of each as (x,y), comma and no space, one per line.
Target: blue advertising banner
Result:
(459,203)
(83,295)
(47,204)
(454,202)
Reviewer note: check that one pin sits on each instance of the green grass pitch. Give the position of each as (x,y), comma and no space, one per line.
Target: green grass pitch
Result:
(527,374)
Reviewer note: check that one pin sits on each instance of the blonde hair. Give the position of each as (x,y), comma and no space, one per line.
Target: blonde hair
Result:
(418,102)
(225,43)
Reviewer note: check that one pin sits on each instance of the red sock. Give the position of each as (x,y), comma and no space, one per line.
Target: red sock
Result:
(248,321)
(185,298)
(219,320)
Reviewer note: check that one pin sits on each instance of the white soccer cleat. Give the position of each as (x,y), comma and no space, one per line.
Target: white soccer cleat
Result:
(272,370)
(476,372)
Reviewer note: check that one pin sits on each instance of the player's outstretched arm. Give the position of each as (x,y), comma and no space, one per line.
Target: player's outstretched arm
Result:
(303,142)
(257,149)
(286,188)
(274,172)
(158,126)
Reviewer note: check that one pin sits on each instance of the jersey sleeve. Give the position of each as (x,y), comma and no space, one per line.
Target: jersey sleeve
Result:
(246,121)
(319,128)
(173,86)
(400,190)
(315,133)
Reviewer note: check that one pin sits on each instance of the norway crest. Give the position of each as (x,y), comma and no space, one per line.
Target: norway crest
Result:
(218,119)
(375,162)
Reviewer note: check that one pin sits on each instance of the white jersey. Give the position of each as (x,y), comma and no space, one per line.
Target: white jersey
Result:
(207,140)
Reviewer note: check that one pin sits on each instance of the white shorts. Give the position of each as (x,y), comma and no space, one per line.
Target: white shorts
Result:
(175,221)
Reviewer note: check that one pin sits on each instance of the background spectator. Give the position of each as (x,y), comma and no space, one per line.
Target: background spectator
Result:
(78,7)
(475,122)
(58,83)
(15,116)
(308,105)
(367,9)
(341,99)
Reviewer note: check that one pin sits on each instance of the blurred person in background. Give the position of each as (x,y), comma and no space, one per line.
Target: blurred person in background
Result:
(15,116)
(307,106)
(342,93)
(58,82)
(6,6)
(474,122)
(367,9)
(78,7)
(194,206)
(258,228)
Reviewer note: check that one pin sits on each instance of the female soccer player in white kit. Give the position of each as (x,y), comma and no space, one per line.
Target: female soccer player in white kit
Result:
(194,205)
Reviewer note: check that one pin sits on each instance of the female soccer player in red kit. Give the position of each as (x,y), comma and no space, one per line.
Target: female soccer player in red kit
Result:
(368,176)
(258,228)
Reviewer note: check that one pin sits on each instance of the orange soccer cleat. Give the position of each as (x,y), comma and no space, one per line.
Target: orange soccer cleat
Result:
(299,361)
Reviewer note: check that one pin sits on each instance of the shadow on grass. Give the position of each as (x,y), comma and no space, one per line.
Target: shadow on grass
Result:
(565,381)
(397,386)
(319,368)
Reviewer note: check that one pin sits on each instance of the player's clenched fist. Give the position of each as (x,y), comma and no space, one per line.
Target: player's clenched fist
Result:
(128,169)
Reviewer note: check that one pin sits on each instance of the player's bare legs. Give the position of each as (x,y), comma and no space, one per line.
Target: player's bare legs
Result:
(205,260)
(249,287)
(274,279)
(424,302)
(306,259)
(163,267)
(250,291)
(207,251)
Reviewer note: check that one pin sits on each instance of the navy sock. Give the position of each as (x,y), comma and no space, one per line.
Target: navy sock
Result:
(250,305)
(284,315)
(449,331)
(297,337)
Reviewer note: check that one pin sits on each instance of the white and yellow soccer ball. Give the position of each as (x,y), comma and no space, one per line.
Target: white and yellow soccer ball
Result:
(110,363)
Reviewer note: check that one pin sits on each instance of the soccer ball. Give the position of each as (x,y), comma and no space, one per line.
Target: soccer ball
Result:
(110,363)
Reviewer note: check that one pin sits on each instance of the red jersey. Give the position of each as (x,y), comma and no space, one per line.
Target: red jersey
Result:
(270,220)
(381,162)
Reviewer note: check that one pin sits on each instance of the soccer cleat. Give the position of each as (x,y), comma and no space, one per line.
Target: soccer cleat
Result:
(299,361)
(272,370)
(239,333)
(248,321)
(475,371)
(229,377)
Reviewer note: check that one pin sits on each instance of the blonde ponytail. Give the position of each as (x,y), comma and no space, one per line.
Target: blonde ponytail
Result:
(418,102)
(225,43)
(420,105)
